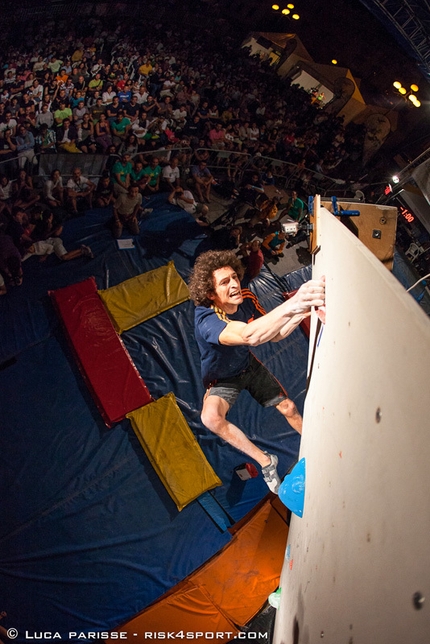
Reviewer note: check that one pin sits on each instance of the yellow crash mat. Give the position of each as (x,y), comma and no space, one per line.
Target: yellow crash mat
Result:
(144,296)
(173,450)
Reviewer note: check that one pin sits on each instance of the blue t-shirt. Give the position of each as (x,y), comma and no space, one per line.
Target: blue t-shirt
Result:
(220,361)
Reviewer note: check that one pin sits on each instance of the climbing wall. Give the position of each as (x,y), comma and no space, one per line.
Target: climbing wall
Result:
(357,564)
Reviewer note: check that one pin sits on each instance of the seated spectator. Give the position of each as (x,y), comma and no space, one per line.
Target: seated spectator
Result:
(217,137)
(112,109)
(130,145)
(108,95)
(132,109)
(46,140)
(45,117)
(170,175)
(9,124)
(7,152)
(25,145)
(153,171)
(185,200)
(63,112)
(79,190)
(67,137)
(180,116)
(228,238)
(6,193)
(79,111)
(104,194)
(120,127)
(193,129)
(141,95)
(10,264)
(23,193)
(121,174)
(95,84)
(273,245)
(53,190)
(17,229)
(97,109)
(138,176)
(126,211)
(103,133)
(86,141)
(203,181)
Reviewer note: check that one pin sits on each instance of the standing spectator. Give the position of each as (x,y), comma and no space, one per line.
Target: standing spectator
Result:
(253,259)
(295,207)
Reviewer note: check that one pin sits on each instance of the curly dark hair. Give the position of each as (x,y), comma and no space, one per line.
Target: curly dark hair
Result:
(201,280)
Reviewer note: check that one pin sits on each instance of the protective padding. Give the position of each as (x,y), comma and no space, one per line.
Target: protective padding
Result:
(186,610)
(173,450)
(241,577)
(105,363)
(144,296)
(229,589)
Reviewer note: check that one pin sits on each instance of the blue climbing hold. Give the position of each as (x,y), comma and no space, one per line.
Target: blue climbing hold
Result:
(292,489)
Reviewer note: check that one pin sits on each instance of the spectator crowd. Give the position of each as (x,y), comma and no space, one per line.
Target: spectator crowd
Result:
(151,96)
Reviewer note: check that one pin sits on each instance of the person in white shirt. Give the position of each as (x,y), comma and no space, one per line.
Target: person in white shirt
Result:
(170,175)
(108,95)
(79,188)
(141,95)
(185,200)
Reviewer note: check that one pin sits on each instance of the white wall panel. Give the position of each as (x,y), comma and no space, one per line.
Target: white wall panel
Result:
(362,549)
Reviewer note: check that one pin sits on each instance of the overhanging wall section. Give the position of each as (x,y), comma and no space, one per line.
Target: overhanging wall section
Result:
(358,562)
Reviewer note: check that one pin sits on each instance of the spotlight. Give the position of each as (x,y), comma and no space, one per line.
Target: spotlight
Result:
(285,12)
(395,179)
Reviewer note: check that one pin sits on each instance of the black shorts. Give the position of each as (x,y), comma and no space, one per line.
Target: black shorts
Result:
(256,379)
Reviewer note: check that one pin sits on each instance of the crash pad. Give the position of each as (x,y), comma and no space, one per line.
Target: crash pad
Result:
(173,450)
(101,356)
(144,296)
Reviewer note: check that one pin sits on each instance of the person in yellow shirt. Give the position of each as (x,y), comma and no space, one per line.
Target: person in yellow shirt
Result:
(146,68)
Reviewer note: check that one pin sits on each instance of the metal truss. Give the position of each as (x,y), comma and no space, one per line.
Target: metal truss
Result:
(409,22)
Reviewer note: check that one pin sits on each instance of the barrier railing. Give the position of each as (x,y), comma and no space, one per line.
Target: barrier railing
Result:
(225,165)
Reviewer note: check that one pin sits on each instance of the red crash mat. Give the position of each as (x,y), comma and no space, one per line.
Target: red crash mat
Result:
(105,363)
